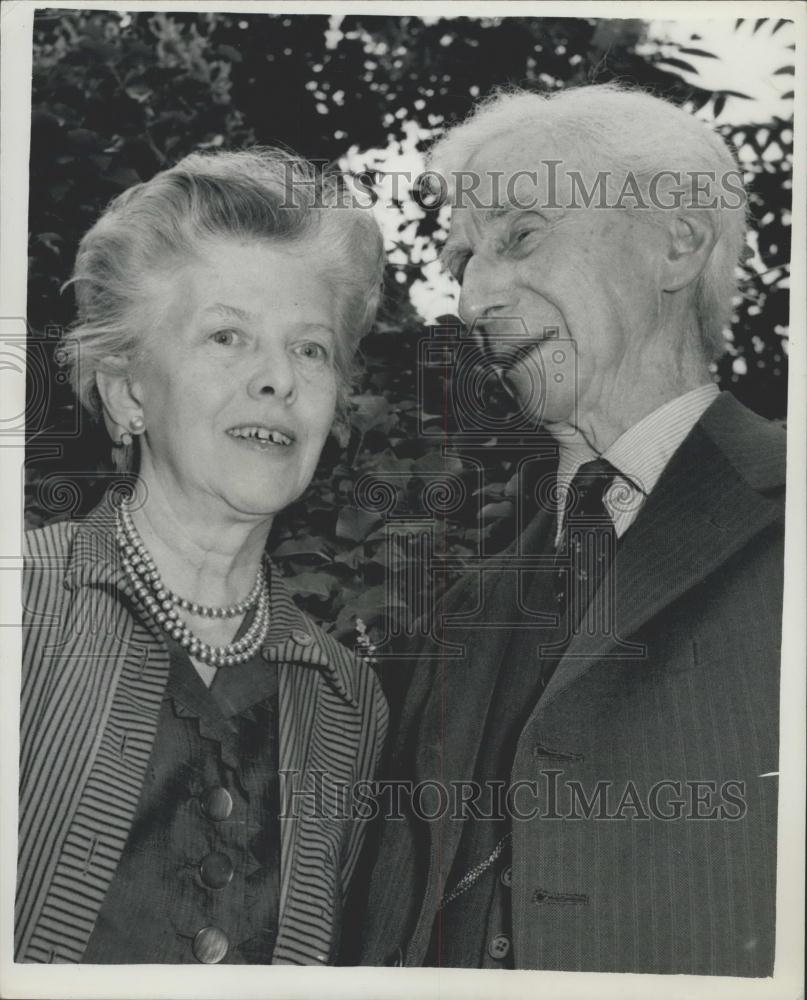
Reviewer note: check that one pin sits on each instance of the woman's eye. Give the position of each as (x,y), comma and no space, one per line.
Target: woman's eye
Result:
(224,337)
(312,351)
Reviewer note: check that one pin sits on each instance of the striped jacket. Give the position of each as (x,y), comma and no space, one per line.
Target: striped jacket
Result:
(93,677)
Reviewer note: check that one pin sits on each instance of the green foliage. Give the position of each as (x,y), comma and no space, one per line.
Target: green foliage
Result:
(118,97)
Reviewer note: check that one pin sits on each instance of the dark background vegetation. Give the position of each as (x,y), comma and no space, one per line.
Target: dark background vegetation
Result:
(117,98)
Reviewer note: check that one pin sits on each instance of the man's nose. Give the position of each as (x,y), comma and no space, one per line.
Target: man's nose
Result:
(274,375)
(484,292)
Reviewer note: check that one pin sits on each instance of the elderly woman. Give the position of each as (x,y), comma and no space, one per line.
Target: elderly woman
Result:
(186,730)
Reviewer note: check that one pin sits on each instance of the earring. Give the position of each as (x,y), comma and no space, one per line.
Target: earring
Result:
(137,425)
(125,440)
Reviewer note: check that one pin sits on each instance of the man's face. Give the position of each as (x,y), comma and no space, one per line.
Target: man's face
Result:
(574,280)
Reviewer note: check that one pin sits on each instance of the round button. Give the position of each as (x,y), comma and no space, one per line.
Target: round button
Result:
(301,638)
(499,947)
(210,945)
(506,876)
(216,870)
(217,804)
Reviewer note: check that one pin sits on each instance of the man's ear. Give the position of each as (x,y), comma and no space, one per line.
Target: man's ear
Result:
(691,237)
(119,394)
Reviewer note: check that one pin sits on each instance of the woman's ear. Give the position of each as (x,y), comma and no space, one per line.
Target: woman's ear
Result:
(691,237)
(120,398)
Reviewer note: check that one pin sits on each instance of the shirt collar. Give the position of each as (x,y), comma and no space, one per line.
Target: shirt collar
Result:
(641,453)
(94,561)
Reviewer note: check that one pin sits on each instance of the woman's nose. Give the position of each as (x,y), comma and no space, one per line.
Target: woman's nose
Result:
(274,376)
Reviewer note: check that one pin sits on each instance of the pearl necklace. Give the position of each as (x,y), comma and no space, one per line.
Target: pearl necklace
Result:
(162,603)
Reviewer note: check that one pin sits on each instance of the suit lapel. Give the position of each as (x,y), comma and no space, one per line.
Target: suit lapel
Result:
(452,723)
(700,513)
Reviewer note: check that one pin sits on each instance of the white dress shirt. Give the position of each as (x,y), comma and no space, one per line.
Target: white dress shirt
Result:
(640,455)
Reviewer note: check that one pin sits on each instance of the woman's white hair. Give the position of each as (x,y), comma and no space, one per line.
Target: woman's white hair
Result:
(623,131)
(258,194)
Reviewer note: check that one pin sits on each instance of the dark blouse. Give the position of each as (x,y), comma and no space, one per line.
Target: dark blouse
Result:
(199,876)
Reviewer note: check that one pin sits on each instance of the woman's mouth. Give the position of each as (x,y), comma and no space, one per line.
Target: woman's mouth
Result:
(262,436)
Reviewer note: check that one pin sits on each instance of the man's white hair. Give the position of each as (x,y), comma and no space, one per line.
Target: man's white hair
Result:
(617,130)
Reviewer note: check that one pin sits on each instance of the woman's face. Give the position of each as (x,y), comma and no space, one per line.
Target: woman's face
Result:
(237,380)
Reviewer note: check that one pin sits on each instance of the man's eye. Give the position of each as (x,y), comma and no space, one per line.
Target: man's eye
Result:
(224,337)
(520,236)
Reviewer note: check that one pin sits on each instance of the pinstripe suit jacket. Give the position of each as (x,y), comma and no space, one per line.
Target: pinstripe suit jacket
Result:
(93,677)
(698,580)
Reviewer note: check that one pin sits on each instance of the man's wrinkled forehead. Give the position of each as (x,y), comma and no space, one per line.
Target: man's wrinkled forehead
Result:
(513,171)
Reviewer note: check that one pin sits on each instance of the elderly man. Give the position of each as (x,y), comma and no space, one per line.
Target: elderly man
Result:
(619,683)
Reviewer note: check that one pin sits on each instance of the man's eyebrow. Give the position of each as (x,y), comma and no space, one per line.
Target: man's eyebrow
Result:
(457,247)
(498,212)
(490,215)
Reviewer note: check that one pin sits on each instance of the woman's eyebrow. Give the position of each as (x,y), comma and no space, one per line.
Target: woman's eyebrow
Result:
(232,311)
(313,326)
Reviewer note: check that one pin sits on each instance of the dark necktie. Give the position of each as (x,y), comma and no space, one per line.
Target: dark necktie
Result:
(586,548)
